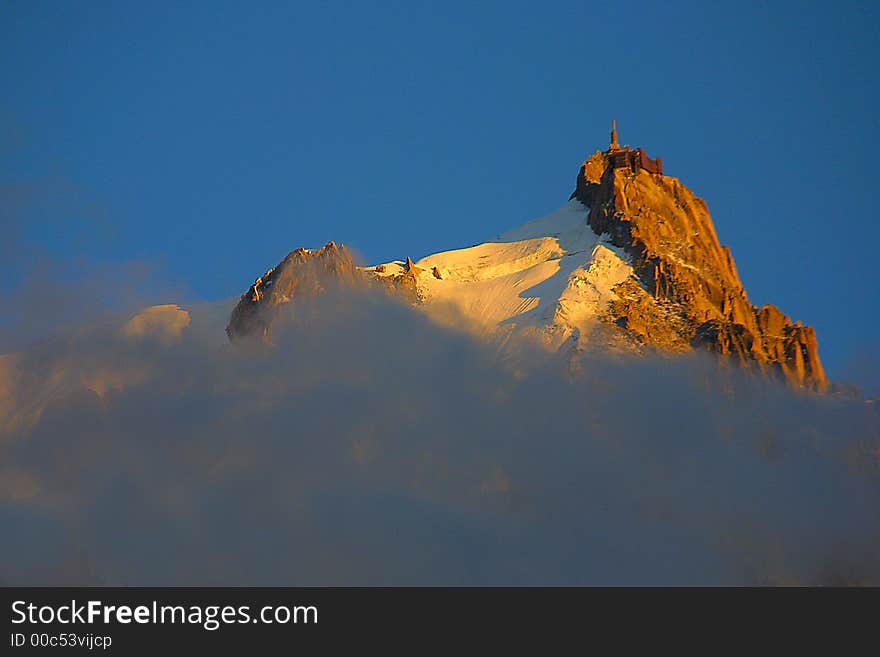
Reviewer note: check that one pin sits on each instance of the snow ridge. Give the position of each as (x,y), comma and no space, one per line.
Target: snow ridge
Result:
(552,276)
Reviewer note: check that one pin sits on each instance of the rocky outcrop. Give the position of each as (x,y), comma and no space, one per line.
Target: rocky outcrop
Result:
(306,273)
(696,298)
(302,273)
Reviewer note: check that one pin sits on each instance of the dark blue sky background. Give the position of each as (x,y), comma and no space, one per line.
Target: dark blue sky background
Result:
(215,137)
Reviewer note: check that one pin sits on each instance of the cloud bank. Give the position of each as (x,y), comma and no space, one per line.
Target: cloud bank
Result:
(368,446)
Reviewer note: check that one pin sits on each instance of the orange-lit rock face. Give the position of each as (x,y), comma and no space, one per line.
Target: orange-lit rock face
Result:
(305,274)
(302,273)
(679,261)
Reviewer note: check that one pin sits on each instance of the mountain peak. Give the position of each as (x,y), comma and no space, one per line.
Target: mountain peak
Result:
(679,262)
(632,263)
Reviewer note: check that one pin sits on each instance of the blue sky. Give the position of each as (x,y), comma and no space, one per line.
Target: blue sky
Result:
(213,138)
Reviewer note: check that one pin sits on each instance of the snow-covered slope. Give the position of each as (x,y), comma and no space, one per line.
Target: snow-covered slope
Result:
(553,277)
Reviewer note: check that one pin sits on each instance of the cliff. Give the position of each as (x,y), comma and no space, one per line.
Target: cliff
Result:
(680,265)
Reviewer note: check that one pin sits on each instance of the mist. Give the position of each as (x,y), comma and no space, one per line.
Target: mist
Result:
(365,445)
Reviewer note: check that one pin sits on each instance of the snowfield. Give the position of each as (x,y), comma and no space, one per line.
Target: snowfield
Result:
(552,276)
(551,279)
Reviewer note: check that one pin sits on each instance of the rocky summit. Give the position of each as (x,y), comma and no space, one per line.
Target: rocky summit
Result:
(302,273)
(631,263)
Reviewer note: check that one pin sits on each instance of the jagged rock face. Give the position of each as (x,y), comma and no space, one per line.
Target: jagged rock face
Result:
(690,295)
(305,273)
(302,273)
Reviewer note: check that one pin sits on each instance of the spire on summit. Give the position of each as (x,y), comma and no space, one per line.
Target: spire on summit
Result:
(624,157)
